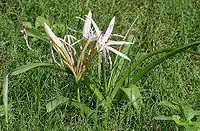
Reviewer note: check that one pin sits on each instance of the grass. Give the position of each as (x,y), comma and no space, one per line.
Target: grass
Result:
(161,24)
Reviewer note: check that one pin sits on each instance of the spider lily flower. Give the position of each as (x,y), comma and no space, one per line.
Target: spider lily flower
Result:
(59,46)
(104,44)
(88,33)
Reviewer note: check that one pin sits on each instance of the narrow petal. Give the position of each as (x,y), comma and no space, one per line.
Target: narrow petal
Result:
(80,18)
(117,52)
(110,42)
(87,25)
(109,58)
(52,36)
(109,30)
(96,28)
(104,54)
(117,35)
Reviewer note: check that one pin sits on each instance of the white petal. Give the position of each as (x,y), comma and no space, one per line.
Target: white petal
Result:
(80,18)
(109,58)
(117,35)
(96,28)
(87,25)
(52,36)
(72,29)
(117,52)
(71,36)
(110,42)
(104,53)
(109,30)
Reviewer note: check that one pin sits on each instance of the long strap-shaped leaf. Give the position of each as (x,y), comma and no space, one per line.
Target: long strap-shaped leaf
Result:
(27,67)
(160,60)
(118,85)
(133,67)
(144,57)
(20,70)
(118,63)
(93,88)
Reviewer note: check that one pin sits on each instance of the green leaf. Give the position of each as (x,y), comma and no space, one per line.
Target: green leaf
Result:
(93,88)
(191,128)
(196,122)
(197,113)
(36,34)
(5,97)
(127,73)
(58,28)
(165,118)
(188,112)
(99,65)
(83,108)
(106,89)
(27,24)
(55,103)
(27,67)
(169,104)
(118,85)
(96,92)
(132,68)
(40,21)
(146,56)
(134,96)
(160,60)
(2,112)
(176,118)
(119,62)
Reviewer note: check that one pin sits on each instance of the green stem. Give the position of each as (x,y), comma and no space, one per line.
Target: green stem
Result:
(104,78)
(78,95)
(78,92)
(81,57)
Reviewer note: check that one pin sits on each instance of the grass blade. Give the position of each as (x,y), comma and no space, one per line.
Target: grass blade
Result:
(55,103)
(160,60)
(96,92)
(5,97)
(169,104)
(165,118)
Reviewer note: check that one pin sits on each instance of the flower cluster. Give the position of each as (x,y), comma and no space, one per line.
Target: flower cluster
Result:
(91,35)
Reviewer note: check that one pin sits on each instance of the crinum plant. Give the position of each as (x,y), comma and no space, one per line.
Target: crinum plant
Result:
(73,56)
(93,41)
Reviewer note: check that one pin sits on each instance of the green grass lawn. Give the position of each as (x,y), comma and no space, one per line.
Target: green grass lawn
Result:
(161,24)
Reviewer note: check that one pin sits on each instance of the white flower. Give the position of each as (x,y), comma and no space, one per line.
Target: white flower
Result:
(88,32)
(52,36)
(61,46)
(104,44)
